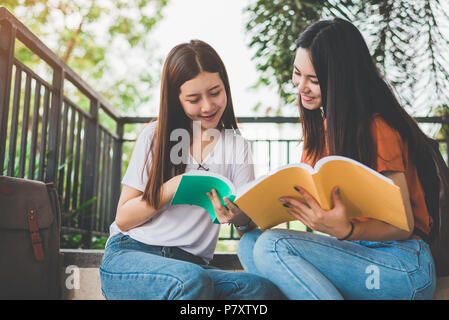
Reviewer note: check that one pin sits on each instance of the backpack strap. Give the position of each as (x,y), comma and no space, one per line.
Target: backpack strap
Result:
(36,241)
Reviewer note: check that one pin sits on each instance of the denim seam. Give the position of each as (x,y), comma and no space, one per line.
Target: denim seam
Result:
(117,239)
(140,273)
(108,257)
(291,272)
(233,282)
(416,291)
(351,253)
(120,242)
(153,274)
(428,272)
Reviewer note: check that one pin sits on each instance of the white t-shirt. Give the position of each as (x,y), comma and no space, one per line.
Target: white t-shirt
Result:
(187,227)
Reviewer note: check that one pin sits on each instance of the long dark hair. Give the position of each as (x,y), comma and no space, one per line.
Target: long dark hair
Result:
(183,63)
(352,91)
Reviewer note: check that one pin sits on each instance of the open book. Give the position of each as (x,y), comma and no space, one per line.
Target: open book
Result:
(365,192)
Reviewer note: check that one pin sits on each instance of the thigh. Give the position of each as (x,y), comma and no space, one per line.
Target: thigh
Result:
(128,273)
(230,285)
(358,270)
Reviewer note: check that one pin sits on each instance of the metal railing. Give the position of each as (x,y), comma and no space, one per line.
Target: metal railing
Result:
(46,136)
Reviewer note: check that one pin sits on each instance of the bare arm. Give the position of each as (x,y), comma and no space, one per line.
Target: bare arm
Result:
(132,211)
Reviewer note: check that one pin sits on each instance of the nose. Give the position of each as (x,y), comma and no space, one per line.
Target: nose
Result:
(300,84)
(207,105)
(302,87)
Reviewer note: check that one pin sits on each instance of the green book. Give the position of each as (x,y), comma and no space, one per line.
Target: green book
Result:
(196,183)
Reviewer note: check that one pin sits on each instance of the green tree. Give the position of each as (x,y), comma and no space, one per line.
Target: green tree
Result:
(406,38)
(99,40)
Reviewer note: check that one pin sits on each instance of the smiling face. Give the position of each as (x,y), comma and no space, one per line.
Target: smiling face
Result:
(304,78)
(203,98)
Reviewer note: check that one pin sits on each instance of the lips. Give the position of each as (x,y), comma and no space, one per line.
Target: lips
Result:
(209,117)
(306,99)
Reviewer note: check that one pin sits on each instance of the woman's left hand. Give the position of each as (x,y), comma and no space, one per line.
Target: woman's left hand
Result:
(232,215)
(333,222)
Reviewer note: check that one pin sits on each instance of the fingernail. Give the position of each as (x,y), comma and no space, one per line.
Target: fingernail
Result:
(297,189)
(280,199)
(337,191)
(286,205)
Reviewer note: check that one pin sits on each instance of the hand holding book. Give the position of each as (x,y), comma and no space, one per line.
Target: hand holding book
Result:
(333,222)
(229,213)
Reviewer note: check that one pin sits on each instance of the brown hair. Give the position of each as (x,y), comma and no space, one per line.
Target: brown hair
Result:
(183,63)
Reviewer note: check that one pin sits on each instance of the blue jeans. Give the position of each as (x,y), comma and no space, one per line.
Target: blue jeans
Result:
(135,271)
(305,265)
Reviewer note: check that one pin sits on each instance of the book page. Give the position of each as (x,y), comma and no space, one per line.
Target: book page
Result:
(243,189)
(365,192)
(261,201)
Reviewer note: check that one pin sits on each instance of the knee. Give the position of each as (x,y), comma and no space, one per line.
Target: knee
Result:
(260,288)
(193,284)
(247,242)
(247,286)
(268,243)
(267,248)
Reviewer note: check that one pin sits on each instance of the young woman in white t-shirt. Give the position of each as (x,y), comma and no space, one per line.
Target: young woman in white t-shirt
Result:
(158,251)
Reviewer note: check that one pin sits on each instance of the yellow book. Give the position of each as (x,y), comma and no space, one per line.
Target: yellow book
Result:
(365,192)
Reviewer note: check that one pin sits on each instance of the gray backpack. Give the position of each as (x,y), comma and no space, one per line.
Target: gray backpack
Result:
(30,223)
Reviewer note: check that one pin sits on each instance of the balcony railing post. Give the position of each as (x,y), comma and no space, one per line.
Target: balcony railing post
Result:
(446,123)
(57,98)
(89,184)
(7,40)
(117,170)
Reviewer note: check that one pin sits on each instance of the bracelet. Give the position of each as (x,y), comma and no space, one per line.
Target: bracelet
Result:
(350,232)
(244,227)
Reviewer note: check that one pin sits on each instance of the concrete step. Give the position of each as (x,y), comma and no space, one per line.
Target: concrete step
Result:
(80,277)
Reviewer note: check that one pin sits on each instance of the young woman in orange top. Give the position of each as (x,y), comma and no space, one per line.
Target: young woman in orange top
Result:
(347,109)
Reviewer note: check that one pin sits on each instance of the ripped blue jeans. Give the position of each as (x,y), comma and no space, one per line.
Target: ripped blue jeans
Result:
(308,266)
(133,270)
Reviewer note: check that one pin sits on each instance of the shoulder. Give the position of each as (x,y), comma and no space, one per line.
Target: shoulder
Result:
(381,130)
(147,133)
(379,123)
(149,129)
(235,140)
(389,146)
(236,149)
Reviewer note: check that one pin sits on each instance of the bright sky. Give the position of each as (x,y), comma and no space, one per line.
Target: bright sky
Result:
(220,23)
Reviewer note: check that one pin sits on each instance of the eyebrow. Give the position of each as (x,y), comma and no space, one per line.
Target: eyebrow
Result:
(197,94)
(309,75)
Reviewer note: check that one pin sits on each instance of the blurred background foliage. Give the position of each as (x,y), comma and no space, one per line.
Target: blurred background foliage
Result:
(408,41)
(99,40)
